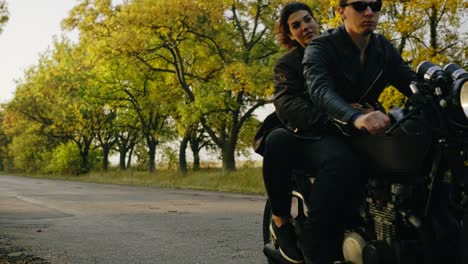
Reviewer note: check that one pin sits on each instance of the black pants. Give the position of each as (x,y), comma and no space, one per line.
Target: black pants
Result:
(335,195)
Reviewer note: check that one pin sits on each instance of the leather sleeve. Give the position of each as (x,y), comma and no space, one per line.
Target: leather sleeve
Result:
(318,62)
(291,101)
(400,74)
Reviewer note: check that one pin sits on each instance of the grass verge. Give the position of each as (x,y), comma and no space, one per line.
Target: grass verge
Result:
(246,180)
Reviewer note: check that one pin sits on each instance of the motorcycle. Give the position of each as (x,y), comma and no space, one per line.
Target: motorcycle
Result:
(416,199)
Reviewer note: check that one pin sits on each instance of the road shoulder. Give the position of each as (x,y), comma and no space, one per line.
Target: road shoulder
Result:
(11,253)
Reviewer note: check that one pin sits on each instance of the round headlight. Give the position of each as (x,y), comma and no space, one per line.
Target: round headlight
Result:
(464,98)
(459,92)
(459,105)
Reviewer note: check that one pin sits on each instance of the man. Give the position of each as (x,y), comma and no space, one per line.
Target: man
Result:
(345,69)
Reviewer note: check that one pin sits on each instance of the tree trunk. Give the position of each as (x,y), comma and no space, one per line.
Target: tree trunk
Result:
(182,154)
(433,28)
(196,160)
(122,156)
(152,157)
(402,45)
(84,166)
(129,160)
(105,157)
(195,147)
(229,161)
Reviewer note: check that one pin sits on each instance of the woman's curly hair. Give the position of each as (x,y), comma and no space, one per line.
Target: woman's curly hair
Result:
(283,27)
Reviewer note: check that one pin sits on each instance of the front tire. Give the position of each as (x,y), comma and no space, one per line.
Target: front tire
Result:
(267,237)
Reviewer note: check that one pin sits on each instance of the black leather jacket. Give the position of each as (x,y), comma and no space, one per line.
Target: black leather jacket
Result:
(335,76)
(292,102)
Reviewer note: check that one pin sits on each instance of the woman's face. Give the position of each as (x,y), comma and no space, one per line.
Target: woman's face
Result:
(302,27)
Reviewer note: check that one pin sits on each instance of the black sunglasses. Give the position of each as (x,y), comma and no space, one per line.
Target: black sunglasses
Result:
(361,6)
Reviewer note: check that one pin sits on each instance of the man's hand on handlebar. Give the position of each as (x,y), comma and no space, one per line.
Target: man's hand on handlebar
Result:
(375,122)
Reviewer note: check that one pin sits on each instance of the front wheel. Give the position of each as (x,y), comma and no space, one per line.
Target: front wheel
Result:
(298,212)
(267,237)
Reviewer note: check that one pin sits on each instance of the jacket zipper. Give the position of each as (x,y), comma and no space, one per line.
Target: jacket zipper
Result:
(362,98)
(370,87)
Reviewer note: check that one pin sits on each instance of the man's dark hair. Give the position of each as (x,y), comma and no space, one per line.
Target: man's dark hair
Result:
(283,27)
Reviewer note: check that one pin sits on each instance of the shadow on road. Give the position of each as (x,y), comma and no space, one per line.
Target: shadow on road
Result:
(10,253)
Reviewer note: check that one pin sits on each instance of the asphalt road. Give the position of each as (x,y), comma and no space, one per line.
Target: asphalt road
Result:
(71,222)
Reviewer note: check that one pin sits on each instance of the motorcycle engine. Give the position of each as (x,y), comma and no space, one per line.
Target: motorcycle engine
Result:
(383,218)
(383,215)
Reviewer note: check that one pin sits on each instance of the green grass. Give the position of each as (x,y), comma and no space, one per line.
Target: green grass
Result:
(245,180)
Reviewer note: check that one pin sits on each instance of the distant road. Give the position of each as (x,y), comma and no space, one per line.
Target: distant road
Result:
(72,222)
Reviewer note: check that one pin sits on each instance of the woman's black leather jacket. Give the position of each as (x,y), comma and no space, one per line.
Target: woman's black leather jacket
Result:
(292,102)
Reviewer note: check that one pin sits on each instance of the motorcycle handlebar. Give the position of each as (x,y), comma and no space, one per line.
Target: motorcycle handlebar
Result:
(392,128)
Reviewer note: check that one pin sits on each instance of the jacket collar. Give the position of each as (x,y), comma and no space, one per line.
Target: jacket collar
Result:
(299,49)
(349,48)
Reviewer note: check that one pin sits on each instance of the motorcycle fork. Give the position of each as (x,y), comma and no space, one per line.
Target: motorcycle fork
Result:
(434,180)
(438,219)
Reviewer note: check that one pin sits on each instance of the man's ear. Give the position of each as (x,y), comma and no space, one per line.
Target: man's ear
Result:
(341,12)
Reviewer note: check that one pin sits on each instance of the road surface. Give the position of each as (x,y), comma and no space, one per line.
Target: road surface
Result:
(73,222)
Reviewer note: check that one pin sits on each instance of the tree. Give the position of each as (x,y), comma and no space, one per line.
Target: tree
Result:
(4,141)
(132,87)
(424,30)
(126,140)
(191,44)
(53,97)
(106,133)
(28,143)
(220,56)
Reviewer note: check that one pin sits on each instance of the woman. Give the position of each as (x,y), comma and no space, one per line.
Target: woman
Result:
(297,27)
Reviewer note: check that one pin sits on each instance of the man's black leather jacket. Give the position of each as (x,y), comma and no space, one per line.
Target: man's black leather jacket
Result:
(335,77)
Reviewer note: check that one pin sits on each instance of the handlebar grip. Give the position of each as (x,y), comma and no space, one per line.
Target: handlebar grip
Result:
(390,130)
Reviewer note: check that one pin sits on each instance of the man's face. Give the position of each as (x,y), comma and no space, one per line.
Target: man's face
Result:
(360,16)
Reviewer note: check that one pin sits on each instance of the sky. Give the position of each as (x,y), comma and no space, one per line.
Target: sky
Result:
(28,33)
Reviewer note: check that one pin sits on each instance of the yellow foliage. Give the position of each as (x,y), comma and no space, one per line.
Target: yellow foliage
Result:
(252,79)
(391,97)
